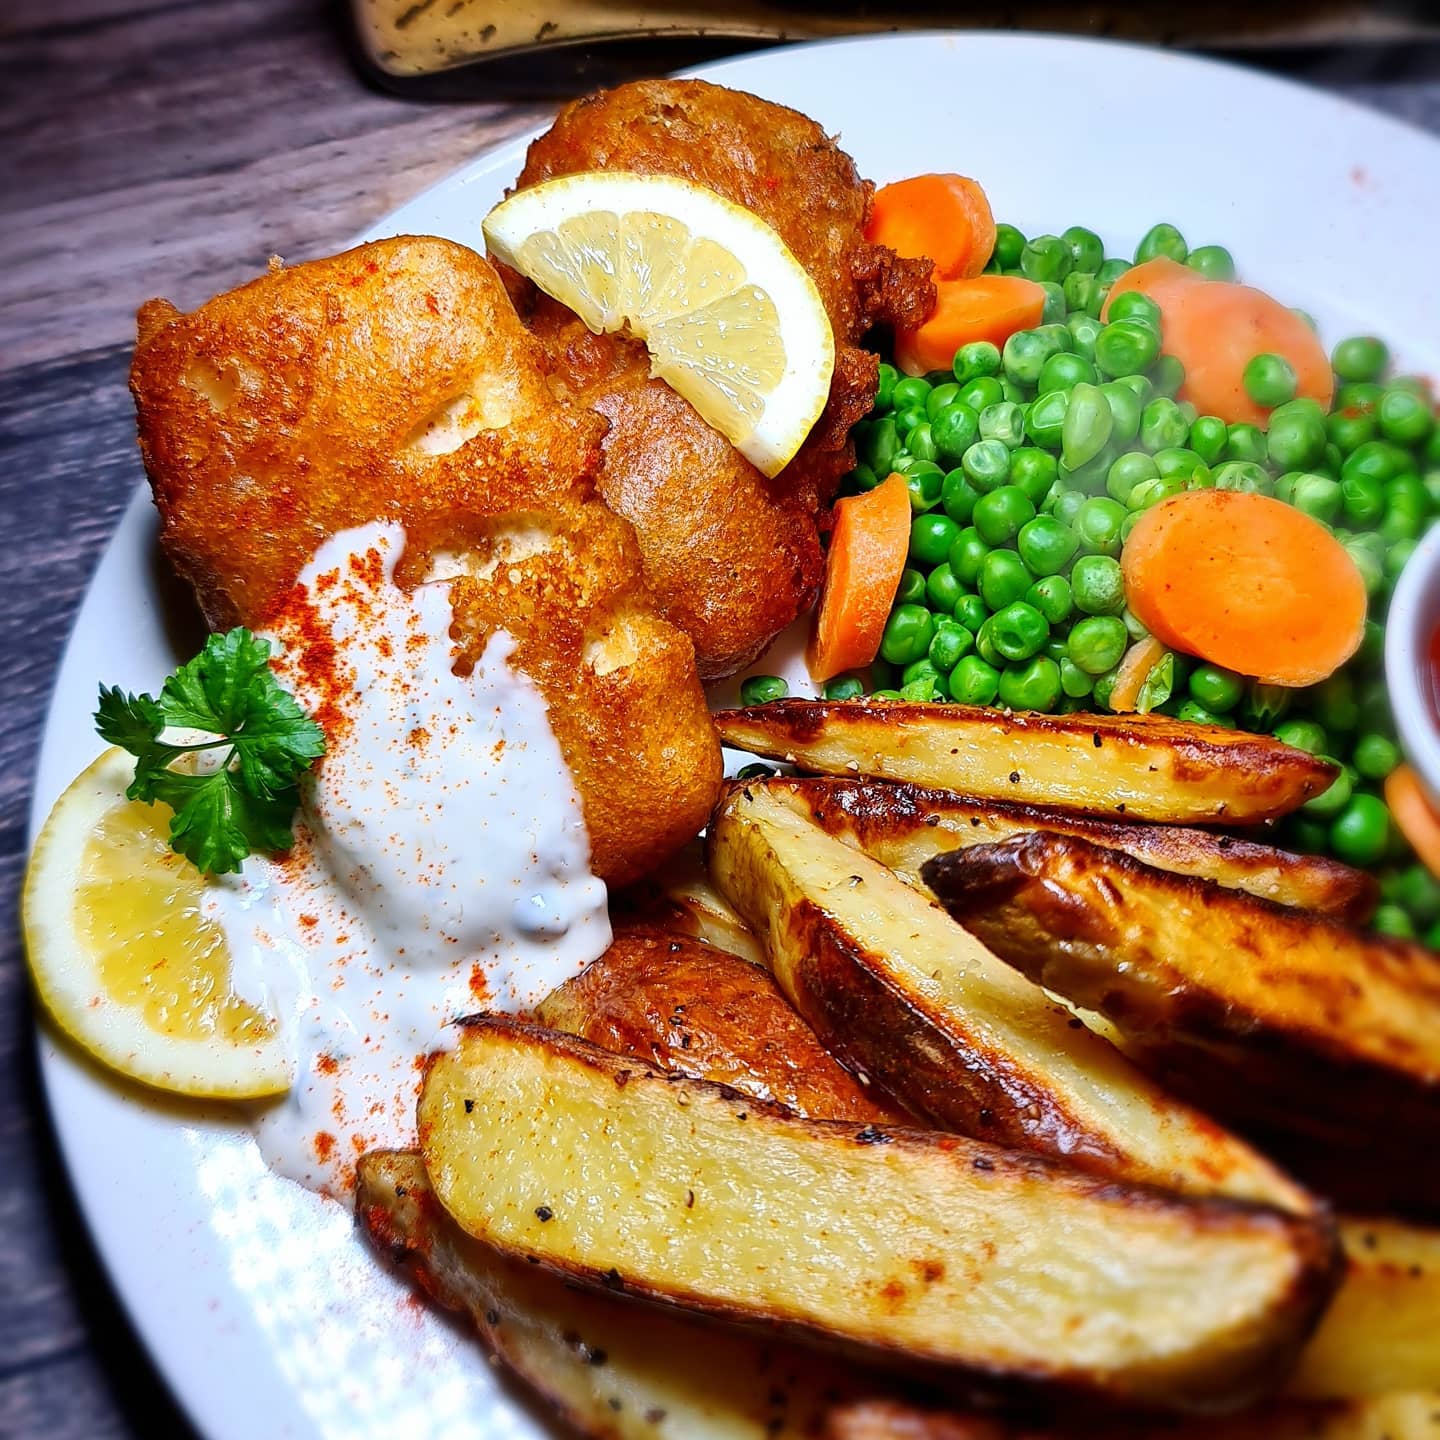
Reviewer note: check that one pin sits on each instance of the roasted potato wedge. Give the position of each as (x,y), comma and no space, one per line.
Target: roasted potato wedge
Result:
(1140,767)
(928,1249)
(680,896)
(688,1007)
(903,826)
(903,995)
(1286,1020)
(612,1370)
(1380,1417)
(1381,1334)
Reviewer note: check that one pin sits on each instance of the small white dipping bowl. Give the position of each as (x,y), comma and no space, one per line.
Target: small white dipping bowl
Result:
(1414,616)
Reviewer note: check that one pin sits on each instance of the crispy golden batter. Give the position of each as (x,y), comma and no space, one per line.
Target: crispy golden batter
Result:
(733,557)
(395,382)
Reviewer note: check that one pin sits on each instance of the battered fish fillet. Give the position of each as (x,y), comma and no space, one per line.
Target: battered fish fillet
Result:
(732,557)
(395,382)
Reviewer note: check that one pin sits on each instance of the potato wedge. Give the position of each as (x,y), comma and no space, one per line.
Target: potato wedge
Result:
(1381,1334)
(900,993)
(1278,1018)
(1141,767)
(929,1249)
(903,826)
(680,896)
(688,1007)
(612,1370)
(1381,1417)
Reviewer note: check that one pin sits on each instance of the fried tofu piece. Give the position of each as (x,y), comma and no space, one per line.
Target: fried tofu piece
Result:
(395,382)
(733,557)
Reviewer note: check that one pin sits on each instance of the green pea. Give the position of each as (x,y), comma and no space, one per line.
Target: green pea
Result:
(923,481)
(1167,375)
(1194,713)
(967,554)
(1126,472)
(1177,461)
(978,392)
(986,464)
(922,669)
(1403,520)
(1405,417)
(1209,436)
(1265,705)
(1067,507)
(1126,408)
(1216,688)
(950,643)
(973,682)
(931,537)
(1053,310)
(880,445)
(1004,422)
(1334,703)
(1140,386)
(1349,429)
(1372,652)
(1163,425)
(958,496)
(1375,756)
(974,360)
(1074,682)
(1362,357)
(1087,252)
(1296,439)
(1098,585)
(1003,579)
(1045,420)
(1269,379)
(907,635)
(1391,920)
(1045,545)
(1244,476)
(971,612)
(1097,643)
(920,442)
(1063,371)
(1362,500)
(912,587)
(1046,257)
(911,392)
(954,430)
(1000,515)
(1360,833)
(1009,243)
(1151,492)
(1317,496)
(1018,630)
(1125,347)
(908,420)
(1306,735)
(1097,525)
(1214,262)
(762,689)
(1419,892)
(985,644)
(1079,290)
(922,690)
(1051,596)
(1398,556)
(1134,305)
(1368,553)
(942,395)
(1083,330)
(1357,395)
(1015,394)
(1376,459)
(1161,239)
(1133,626)
(1026,352)
(1087,425)
(1112,270)
(1033,685)
(1247,443)
(1034,471)
(885,383)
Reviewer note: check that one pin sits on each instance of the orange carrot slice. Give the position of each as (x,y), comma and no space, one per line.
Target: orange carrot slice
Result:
(1246,582)
(1140,659)
(945,218)
(863,566)
(989,307)
(1412,811)
(1161,279)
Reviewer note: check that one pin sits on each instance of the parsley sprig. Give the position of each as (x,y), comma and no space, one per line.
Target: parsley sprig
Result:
(247,801)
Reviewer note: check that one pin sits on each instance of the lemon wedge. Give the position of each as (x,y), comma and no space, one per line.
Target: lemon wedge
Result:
(123,957)
(730,317)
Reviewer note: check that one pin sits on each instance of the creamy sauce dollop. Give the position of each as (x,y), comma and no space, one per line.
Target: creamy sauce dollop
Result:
(441,864)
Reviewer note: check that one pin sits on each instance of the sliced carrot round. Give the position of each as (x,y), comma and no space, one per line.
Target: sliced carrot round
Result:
(943,218)
(1161,279)
(989,307)
(863,567)
(1246,582)
(1412,811)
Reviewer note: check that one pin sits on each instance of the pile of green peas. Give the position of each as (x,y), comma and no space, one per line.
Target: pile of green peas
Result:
(1029,464)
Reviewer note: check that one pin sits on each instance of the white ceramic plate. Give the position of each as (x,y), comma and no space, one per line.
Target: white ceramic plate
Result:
(263,1310)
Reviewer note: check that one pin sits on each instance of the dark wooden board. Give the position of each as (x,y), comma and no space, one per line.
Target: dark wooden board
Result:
(167,148)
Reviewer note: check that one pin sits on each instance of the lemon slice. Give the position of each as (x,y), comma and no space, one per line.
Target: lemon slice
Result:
(123,957)
(730,317)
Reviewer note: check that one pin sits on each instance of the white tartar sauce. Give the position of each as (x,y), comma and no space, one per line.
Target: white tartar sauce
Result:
(441,864)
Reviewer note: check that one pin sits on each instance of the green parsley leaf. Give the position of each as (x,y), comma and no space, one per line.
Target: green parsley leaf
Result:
(244,799)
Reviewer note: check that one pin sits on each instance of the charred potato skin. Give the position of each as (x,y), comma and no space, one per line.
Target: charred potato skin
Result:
(687,1007)
(1140,767)
(897,822)
(1326,1105)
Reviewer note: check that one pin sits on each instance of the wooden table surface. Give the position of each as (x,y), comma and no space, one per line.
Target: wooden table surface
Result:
(168,147)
